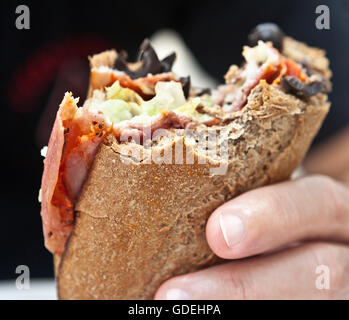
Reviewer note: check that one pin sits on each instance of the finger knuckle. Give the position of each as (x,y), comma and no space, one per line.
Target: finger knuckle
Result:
(333,191)
(237,285)
(282,206)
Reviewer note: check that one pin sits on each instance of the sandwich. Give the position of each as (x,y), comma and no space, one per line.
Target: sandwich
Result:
(131,176)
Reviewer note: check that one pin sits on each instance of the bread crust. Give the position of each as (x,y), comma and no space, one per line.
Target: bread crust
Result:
(99,79)
(106,58)
(139,224)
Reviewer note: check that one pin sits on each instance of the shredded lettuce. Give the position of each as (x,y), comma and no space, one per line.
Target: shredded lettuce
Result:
(116,110)
(207,101)
(168,96)
(116,91)
(188,108)
(124,104)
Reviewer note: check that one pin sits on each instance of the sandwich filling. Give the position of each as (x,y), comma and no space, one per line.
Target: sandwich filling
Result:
(134,101)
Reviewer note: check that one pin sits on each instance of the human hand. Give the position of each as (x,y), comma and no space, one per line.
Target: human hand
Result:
(288,230)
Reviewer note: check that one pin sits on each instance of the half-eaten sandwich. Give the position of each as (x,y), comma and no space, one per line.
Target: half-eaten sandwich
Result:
(131,177)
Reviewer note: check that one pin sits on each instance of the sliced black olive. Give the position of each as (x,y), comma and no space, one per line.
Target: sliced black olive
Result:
(121,64)
(204,91)
(185,81)
(267,32)
(167,62)
(150,62)
(295,86)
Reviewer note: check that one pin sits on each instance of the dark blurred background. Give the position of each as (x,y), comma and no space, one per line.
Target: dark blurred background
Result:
(40,64)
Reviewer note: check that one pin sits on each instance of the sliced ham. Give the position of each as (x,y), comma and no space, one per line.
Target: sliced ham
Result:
(71,150)
(78,163)
(73,144)
(140,129)
(165,120)
(55,231)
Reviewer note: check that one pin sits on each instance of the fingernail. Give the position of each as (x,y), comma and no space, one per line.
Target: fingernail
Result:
(232,228)
(177,294)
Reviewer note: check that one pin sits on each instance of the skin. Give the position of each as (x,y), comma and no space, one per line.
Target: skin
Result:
(288,230)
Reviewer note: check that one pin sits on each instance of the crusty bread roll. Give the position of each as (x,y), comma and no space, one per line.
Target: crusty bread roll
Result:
(138,224)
